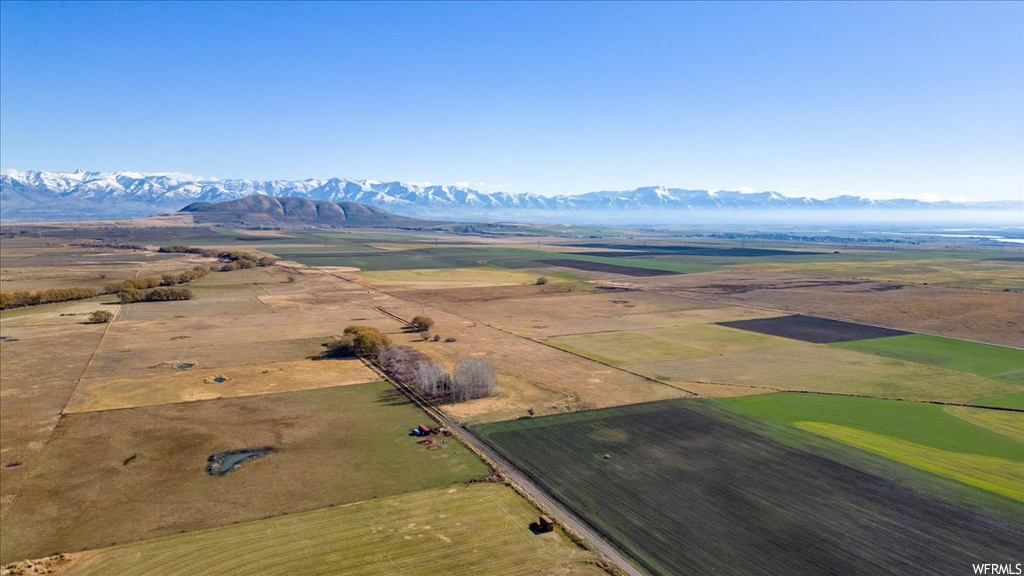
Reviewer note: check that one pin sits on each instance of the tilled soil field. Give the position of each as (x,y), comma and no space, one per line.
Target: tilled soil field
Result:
(813,329)
(686,493)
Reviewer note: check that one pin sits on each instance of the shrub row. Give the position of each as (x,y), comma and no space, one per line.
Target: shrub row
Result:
(232,259)
(155,295)
(18,298)
(153,282)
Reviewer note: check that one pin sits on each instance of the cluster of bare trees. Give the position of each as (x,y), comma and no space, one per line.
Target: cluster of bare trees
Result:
(472,378)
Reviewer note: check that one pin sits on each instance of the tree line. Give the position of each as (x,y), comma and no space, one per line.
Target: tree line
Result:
(472,378)
(133,287)
(155,295)
(230,259)
(19,298)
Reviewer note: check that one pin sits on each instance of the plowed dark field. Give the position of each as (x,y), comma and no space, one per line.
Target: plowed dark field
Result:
(813,329)
(601,267)
(689,251)
(686,493)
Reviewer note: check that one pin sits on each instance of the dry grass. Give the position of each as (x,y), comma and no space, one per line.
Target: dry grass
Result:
(333,446)
(979,315)
(1009,424)
(819,368)
(659,344)
(530,374)
(965,273)
(441,278)
(198,384)
(149,362)
(40,368)
(475,529)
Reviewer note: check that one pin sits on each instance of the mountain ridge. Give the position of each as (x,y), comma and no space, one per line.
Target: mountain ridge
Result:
(37,193)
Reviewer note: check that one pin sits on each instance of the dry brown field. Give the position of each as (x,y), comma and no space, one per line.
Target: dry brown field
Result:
(531,374)
(176,385)
(41,267)
(981,315)
(332,446)
(40,367)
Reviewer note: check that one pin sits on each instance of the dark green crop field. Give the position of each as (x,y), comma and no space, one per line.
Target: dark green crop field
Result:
(687,493)
(981,359)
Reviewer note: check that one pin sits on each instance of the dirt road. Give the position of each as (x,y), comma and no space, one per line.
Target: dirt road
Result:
(523,483)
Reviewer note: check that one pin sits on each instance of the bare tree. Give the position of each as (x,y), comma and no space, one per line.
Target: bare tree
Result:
(431,380)
(473,378)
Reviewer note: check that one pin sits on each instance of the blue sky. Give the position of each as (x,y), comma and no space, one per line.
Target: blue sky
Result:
(908,99)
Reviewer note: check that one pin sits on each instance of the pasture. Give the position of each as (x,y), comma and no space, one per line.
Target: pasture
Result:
(461,530)
(685,492)
(41,366)
(449,277)
(981,359)
(177,383)
(978,315)
(96,485)
(967,271)
(716,359)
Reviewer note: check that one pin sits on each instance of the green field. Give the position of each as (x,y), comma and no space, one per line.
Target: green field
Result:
(981,359)
(926,436)
(685,492)
(470,529)
(1015,401)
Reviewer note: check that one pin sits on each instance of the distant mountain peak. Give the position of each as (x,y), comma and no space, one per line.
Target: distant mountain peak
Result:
(33,194)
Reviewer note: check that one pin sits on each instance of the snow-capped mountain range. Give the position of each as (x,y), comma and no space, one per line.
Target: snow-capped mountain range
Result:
(31,194)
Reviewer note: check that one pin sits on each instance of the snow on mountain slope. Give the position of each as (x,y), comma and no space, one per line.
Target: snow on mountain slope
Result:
(37,194)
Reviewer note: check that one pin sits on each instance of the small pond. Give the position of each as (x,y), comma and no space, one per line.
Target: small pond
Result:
(223,462)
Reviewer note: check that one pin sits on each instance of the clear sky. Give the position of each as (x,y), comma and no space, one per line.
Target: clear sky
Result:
(909,99)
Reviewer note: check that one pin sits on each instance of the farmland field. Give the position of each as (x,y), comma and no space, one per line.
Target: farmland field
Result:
(981,359)
(457,530)
(979,315)
(960,444)
(106,429)
(1015,401)
(812,329)
(719,355)
(332,446)
(687,493)
(186,385)
(606,268)
(990,274)
(480,276)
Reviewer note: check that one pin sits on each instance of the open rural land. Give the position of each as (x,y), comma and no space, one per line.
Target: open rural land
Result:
(701,404)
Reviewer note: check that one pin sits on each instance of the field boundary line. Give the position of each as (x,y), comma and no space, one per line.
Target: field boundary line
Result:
(61,415)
